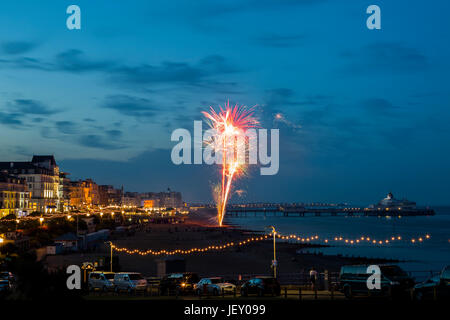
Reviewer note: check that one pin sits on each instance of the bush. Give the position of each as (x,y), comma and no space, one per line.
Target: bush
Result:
(10,216)
(35,214)
(34,282)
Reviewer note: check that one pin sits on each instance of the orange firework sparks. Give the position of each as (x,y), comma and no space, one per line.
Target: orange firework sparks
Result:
(229,124)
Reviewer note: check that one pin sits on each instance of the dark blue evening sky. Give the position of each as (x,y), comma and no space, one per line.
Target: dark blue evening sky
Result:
(367,110)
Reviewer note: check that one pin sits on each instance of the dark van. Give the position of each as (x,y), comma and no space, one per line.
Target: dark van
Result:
(181,282)
(393,282)
(261,286)
(437,287)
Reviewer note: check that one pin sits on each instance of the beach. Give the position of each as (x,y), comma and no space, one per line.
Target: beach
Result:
(254,258)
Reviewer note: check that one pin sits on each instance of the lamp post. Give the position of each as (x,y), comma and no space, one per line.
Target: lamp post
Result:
(274,261)
(111,261)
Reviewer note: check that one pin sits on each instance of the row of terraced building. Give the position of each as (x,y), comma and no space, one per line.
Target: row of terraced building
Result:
(40,185)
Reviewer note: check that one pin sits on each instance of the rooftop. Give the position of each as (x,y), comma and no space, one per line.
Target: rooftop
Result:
(67,236)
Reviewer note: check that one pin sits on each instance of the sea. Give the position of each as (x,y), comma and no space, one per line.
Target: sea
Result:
(428,255)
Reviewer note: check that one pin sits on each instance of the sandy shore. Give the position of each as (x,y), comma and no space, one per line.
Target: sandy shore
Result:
(254,258)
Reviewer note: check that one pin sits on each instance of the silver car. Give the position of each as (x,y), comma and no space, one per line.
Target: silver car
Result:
(99,280)
(129,281)
(6,281)
(215,286)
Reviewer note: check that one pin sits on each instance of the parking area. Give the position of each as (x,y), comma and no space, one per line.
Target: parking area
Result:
(351,285)
(153,292)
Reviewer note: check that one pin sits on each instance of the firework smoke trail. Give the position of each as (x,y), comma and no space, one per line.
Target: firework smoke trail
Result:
(230,124)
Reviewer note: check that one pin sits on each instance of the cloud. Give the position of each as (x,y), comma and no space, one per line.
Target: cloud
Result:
(313,124)
(21,151)
(174,72)
(28,106)
(169,72)
(284,110)
(378,106)
(389,57)
(215,8)
(27,63)
(150,171)
(280,98)
(114,134)
(66,127)
(131,106)
(17,47)
(98,142)
(280,41)
(11,119)
(50,133)
(281,92)
(317,116)
(75,61)
(84,135)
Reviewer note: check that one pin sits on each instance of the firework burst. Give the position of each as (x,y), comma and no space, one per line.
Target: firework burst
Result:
(229,124)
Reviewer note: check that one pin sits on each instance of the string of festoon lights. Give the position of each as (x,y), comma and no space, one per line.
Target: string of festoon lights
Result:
(310,239)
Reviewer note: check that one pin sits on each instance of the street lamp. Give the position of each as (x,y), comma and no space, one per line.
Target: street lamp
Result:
(274,261)
(111,261)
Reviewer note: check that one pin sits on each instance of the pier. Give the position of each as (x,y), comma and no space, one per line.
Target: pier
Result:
(323,212)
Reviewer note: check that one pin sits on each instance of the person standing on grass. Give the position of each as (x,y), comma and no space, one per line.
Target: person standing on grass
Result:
(313,278)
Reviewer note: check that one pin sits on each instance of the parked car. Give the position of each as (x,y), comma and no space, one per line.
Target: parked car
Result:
(393,281)
(4,285)
(6,275)
(129,281)
(214,286)
(183,282)
(437,287)
(101,280)
(6,281)
(261,286)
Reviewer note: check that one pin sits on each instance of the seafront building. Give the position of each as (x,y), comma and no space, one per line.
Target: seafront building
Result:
(64,191)
(14,195)
(84,194)
(109,196)
(169,199)
(42,179)
(39,185)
